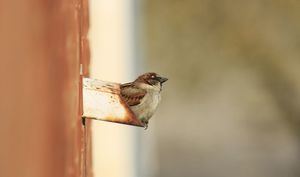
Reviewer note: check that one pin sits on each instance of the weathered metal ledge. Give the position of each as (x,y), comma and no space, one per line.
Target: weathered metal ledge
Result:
(102,101)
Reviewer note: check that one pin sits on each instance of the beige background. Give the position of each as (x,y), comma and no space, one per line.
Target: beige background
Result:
(231,106)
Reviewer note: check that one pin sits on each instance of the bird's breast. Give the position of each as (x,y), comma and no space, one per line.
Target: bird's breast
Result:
(148,105)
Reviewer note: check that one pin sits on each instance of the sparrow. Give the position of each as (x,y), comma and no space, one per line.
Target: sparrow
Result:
(143,95)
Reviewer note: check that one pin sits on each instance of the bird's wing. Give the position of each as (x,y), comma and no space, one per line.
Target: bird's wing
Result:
(131,94)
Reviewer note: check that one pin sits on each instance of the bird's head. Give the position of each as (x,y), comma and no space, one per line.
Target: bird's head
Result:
(151,78)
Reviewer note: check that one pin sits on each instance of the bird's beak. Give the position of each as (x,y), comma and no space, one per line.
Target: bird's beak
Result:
(162,79)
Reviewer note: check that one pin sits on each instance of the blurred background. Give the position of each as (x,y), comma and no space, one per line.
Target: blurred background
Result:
(231,105)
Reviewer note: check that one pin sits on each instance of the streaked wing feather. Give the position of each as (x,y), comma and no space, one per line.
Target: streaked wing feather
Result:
(132,95)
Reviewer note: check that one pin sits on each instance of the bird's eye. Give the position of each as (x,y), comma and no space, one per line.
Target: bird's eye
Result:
(152,76)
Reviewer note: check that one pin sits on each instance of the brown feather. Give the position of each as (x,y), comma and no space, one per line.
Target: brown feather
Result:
(131,94)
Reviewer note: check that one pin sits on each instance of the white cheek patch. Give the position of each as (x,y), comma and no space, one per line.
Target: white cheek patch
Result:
(156,87)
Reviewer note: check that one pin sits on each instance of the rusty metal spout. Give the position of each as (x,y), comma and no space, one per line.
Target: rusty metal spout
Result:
(102,101)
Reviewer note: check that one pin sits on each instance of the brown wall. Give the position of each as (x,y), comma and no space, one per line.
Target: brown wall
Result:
(40,53)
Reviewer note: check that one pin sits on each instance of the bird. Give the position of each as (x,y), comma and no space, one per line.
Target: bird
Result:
(143,95)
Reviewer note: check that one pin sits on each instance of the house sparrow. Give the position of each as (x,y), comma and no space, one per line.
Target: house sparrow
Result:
(143,95)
